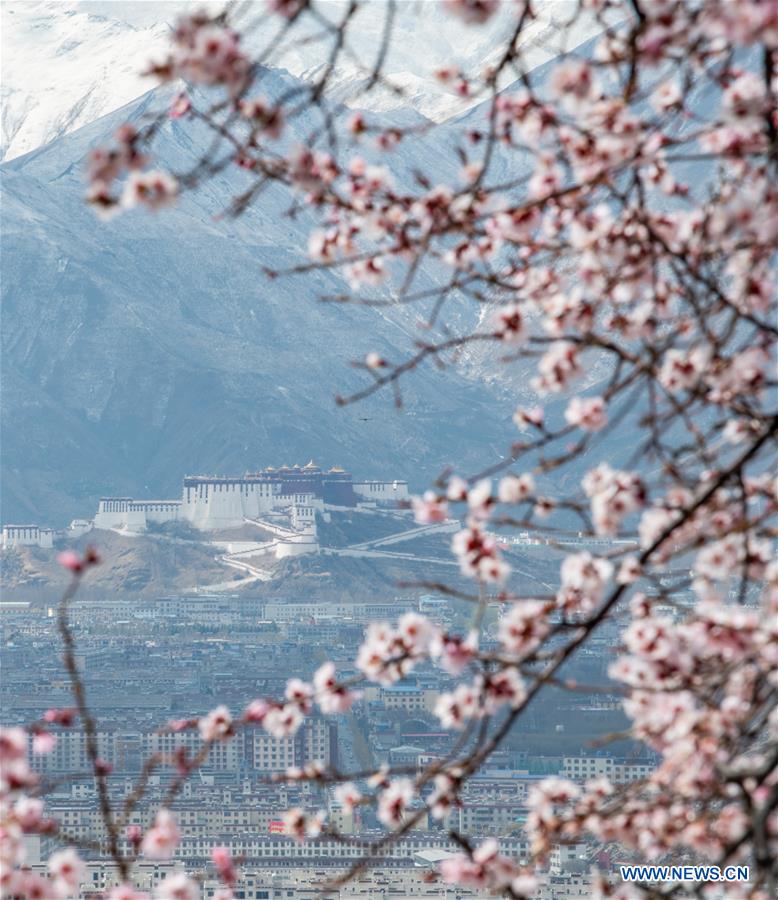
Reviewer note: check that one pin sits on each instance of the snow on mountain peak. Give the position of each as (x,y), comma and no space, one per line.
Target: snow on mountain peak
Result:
(66,63)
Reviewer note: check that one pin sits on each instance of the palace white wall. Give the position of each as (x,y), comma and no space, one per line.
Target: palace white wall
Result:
(27,536)
(158,511)
(381,490)
(112,512)
(80,527)
(211,505)
(298,545)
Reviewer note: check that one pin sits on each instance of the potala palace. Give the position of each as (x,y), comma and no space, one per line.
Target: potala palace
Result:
(282,501)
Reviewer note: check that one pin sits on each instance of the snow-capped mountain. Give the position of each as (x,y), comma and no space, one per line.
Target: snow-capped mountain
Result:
(67,63)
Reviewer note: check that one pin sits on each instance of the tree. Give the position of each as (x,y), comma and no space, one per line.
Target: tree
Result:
(615,210)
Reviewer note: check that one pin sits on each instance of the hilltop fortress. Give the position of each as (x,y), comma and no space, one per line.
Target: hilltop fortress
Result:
(215,502)
(283,502)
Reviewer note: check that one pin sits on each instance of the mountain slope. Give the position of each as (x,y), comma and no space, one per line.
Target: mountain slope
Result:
(137,351)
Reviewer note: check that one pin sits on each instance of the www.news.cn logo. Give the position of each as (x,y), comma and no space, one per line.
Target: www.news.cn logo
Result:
(684,873)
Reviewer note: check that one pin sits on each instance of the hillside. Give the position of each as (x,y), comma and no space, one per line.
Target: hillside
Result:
(132,565)
(133,355)
(361,555)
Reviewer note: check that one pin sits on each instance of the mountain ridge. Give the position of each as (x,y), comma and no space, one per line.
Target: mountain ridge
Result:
(133,356)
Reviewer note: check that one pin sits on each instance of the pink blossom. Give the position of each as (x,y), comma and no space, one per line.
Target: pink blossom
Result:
(67,871)
(154,189)
(287,8)
(217,725)
(302,825)
(568,312)
(547,178)
(486,868)
(13,744)
(15,775)
(256,711)
(515,225)
(719,559)
(457,489)
(369,271)
(515,488)
(453,652)
(62,717)
(629,570)
(28,812)
(525,884)
(473,12)
(681,369)
(311,170)
(505,686)
(268,119)
(282,721)
(161,840)
(347,796)
(745,97)
(387,654)
(666,96)
(394,801)
(224,864)
(12,853)
(43,742)
(33,887)
(557,367)
(524,626)
(456,708)
(508,323)
(583,580)
(614,494)
(429,508)
(587,413)
(416,632)
(573,81)
(180,106)
(332,697)
(379,657)
(375,361)
(205,52)
(444,795)
(69,559)
(461,870)
(544,800)
(300,693)
(480,499)
(744,373)
(479,556)
(528,417)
